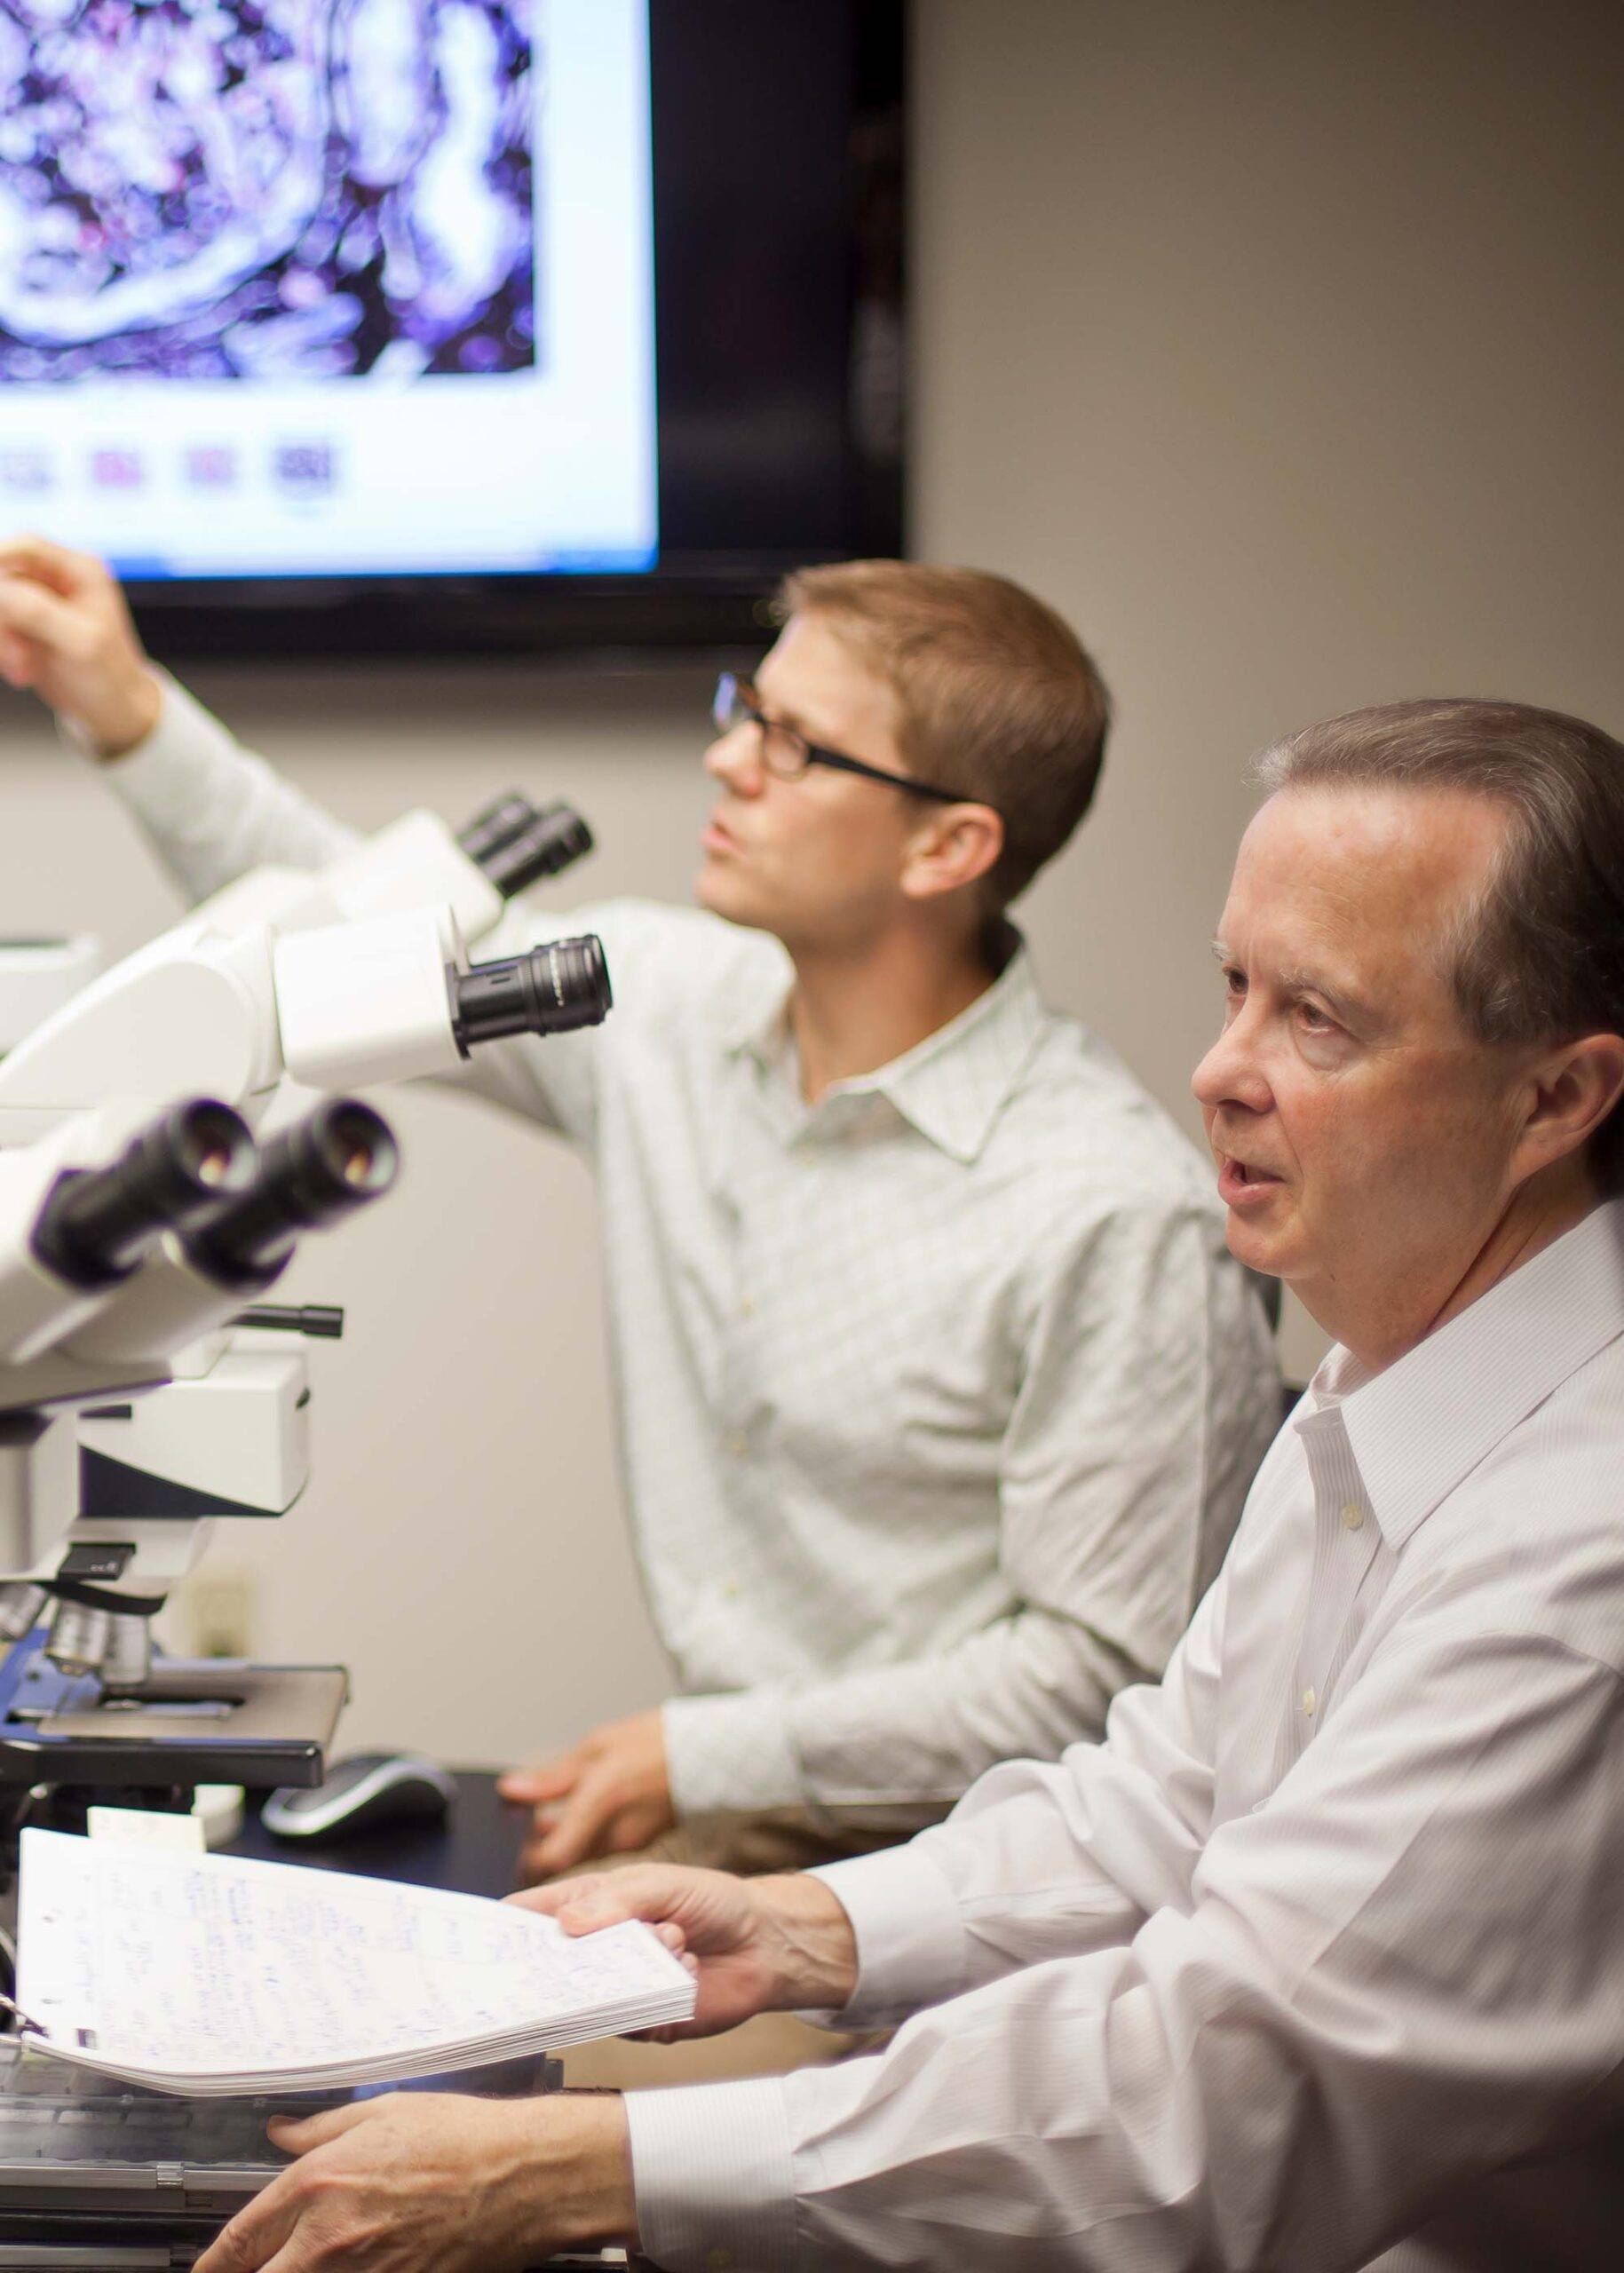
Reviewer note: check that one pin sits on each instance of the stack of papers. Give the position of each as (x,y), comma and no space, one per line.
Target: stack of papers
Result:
(206,1975)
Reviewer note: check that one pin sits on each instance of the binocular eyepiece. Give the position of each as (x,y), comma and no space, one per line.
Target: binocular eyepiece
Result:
(97,1223)
(553,989)
(322,1168)
(516,843)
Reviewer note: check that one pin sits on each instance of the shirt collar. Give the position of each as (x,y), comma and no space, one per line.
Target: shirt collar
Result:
(1425,1421)
(952,1086)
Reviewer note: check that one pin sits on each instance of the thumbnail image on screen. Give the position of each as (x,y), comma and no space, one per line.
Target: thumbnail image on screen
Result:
(266,189)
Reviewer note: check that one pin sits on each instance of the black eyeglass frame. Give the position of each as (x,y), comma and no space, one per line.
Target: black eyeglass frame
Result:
(731,695)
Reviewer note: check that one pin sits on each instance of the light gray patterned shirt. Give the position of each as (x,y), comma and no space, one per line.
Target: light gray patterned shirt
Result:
(1317,1961)
(937,1400)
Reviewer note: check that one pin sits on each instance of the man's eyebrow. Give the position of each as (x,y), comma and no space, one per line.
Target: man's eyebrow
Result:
(1300,980)
(780,714)
(1348,1006)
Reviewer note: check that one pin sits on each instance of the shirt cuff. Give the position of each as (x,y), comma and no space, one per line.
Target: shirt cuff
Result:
(911,1944)
(731,1754)
(713,2172)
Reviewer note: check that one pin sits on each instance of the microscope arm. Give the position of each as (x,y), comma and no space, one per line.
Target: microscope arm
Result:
(415,862)
(342,1006)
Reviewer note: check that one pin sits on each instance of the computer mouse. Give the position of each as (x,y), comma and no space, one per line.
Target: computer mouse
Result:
(367,1792)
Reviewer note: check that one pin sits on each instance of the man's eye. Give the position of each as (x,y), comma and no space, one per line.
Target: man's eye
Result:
(1314,1019)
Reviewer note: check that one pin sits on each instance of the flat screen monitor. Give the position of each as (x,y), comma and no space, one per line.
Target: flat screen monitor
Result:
(430,326)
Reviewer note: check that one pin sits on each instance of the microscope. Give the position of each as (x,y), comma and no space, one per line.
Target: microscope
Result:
(146,1388)
(129,1246)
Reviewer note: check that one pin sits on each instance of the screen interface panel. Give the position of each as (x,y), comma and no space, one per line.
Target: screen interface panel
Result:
(328,287)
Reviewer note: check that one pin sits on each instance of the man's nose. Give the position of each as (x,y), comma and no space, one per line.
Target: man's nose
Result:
(1232,1073)
(734,758)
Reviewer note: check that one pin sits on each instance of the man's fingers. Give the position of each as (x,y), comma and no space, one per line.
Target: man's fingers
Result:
(16,659)
(29,608)
(293,2258)
(648,1891)
(547,1780)
(577,1836)
(551,1899)
(296,2135)
(256,2233)
(64,571)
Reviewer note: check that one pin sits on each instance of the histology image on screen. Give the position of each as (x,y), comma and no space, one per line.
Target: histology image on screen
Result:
(267,190)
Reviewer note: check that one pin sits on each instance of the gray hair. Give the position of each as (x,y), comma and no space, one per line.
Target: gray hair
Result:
(1539,956)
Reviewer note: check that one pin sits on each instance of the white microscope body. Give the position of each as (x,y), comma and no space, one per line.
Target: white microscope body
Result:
(135,1409)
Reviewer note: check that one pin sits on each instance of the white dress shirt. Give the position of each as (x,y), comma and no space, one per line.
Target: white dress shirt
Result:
(937,1400)
(1317,1961)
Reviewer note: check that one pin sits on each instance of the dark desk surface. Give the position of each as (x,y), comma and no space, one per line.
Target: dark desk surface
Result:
(475,1850)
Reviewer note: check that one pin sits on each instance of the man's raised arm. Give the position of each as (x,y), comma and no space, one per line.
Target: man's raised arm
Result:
(210,809)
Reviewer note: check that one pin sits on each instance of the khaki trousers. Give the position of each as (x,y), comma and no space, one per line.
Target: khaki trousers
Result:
(783,1839)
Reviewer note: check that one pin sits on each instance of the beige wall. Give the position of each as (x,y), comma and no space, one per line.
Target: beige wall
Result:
(1278,345)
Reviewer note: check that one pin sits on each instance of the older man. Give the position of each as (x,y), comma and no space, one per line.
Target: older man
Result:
(1318,1960)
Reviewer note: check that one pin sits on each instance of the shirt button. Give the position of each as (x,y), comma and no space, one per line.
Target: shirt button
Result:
(1353,1516)
(747,1308)
(1308,1701)
(738,1446)
(730,1588)
(719,2259)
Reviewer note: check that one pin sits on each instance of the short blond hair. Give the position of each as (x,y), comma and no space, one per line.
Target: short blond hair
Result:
(996,696)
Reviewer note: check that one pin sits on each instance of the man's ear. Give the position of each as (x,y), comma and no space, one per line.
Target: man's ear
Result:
(954,847)
(1572,1089)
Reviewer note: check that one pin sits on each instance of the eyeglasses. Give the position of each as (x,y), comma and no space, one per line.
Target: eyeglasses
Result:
(787,754)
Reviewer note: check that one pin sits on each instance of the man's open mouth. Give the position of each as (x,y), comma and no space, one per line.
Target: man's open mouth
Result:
(1239,1179)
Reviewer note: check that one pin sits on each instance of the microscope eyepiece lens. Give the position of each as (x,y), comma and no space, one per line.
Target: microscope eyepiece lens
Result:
(553,842)
(553,989)
(497,826)
(211,1144)
(97,1224)
(335,1159)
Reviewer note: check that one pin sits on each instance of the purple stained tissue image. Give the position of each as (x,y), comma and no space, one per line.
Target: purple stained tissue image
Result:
(266,189)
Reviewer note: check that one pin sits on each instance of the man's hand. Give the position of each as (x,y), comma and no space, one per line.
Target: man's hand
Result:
(754,1945)
(611,1795)
(423,2182)
(66,632)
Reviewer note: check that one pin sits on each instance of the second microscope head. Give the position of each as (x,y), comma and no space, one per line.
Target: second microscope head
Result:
(394,998)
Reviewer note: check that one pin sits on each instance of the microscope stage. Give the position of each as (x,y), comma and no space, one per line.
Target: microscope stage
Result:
(197,1721)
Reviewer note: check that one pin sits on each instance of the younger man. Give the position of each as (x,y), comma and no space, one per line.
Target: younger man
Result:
(938,1392)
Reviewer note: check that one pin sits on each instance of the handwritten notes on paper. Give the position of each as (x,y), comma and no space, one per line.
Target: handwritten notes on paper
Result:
(209,1972)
